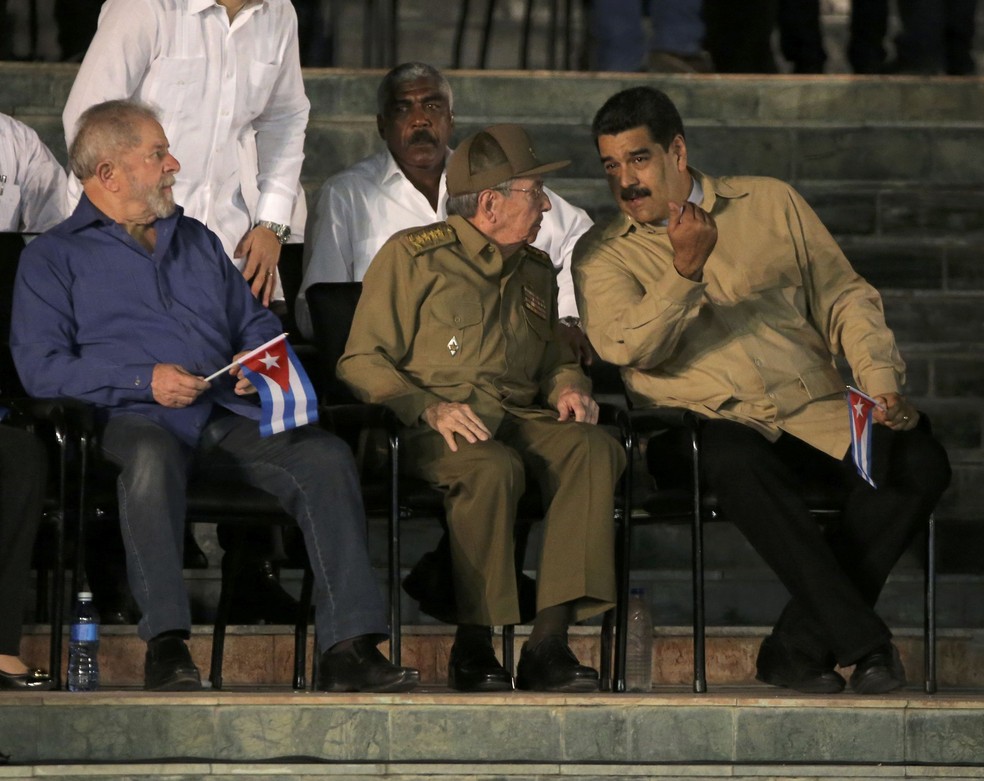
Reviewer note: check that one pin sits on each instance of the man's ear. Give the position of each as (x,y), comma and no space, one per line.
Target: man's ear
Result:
(107,173)
(678,148)
(486,204)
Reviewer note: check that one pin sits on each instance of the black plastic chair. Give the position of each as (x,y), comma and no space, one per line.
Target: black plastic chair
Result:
(234,504)
(695,505)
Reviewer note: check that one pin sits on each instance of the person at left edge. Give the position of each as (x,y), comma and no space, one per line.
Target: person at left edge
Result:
(134,334)
(226,76)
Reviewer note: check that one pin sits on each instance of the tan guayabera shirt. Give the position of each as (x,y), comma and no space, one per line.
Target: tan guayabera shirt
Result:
(754,340)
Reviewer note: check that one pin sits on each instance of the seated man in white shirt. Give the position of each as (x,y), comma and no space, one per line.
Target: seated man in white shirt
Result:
(32,182)
(403,186)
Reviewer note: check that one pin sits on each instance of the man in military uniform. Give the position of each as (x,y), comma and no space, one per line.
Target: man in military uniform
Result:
(455,332)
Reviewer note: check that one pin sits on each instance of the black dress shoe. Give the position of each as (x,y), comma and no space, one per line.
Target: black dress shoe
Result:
(32,680)
(552,667)
(779,664)
(472,666)
(168,666)
(879,671)
(362,668)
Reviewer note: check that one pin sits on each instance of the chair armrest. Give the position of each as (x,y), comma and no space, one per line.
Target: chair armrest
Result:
(652,419)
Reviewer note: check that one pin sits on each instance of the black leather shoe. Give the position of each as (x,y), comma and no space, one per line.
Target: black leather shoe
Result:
(779,664)
(362,668)
(879,671)
(32,680)
(472,667)
(168,666)
(552,667)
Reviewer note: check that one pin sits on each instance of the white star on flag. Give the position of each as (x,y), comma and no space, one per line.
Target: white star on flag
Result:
(269,360)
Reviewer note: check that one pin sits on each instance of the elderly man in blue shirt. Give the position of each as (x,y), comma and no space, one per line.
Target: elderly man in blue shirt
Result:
(128,304)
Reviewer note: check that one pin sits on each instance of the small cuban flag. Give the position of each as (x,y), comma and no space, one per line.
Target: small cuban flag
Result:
(860,406)
(287,396)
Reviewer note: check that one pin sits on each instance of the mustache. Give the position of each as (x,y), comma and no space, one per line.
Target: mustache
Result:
(423,136)
(628,193)
(167,182)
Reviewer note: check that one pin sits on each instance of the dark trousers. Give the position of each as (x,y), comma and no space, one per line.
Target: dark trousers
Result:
(739,35)
(834,579)
(312,473)
(23,465)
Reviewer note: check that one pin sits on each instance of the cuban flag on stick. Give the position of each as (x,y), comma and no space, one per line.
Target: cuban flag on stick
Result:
(287,397)
(860,406)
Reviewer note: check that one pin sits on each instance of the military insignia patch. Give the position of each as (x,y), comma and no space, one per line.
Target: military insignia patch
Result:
(536,304)
(453,346)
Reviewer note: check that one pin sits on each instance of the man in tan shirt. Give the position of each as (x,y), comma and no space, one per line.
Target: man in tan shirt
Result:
(455,331)
(728,297)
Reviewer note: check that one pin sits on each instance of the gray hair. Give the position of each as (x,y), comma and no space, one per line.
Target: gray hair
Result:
(466,204)
(410,71)
(104,130)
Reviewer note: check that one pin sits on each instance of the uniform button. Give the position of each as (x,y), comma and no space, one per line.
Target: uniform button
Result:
(758,361)
(772,396)
(457,319)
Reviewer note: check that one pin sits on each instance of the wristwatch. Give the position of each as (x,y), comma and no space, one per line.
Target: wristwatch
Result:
(282,232)
(570,322)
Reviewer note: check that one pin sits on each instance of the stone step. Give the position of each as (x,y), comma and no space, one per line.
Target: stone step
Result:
(430,733)
(263,656)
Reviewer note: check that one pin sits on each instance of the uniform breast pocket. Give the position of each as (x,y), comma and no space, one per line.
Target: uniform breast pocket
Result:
(452,334)
(10,207)
(539,334)
(259,85)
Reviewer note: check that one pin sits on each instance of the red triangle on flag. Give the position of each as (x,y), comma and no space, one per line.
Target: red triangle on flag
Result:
(272,363)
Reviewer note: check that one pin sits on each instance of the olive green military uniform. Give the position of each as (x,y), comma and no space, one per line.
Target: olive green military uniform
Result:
(444,317)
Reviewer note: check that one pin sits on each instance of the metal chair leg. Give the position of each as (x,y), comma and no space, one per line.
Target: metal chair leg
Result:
(929,617)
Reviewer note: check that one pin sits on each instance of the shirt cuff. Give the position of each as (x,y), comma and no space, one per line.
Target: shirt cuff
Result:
(273,207)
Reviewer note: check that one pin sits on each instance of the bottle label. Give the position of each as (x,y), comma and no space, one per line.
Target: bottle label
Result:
(85,633)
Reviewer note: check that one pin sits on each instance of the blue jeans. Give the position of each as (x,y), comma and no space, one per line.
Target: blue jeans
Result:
(311,471)
(620,40)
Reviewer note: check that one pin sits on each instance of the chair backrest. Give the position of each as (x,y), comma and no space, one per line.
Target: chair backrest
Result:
(11,245)
(332,307)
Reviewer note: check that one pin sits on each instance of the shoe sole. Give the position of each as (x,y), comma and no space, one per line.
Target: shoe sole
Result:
(832,687)
(574,687)
(178,683)
(484,686)
(404,684)
(878,685)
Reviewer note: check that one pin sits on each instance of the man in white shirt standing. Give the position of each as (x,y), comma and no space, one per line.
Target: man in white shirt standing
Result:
(403,186)
(32,182)
(226,77)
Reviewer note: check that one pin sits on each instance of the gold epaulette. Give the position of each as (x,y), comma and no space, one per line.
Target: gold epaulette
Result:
(436,235)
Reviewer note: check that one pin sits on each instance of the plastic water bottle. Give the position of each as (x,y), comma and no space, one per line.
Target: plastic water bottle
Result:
(639,642)
(83,646)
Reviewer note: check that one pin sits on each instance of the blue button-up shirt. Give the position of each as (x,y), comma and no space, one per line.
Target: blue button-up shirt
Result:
(94,312)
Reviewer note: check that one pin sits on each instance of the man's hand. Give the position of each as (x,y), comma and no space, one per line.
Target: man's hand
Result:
(693,234)
(261,248)
(448,418)
(898,415)
(175,387)
(573,404)
(243,386)
(577,340)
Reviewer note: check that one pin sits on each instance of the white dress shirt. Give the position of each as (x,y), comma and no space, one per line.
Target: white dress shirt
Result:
(32,182)
(358,209)
(231,98)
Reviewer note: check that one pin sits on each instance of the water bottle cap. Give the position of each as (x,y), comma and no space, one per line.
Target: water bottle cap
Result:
(85,596)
